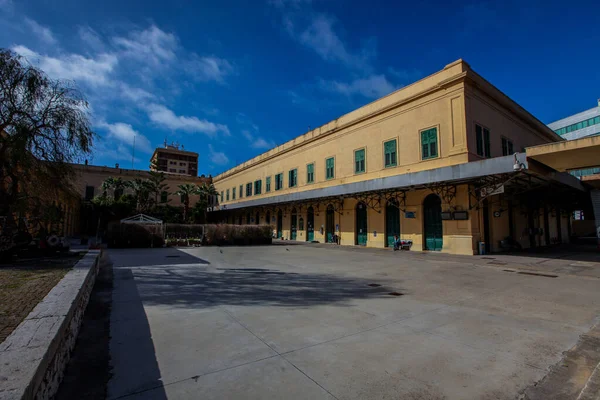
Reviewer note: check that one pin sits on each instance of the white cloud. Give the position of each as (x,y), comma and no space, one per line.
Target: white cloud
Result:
(136,95)
(208,68)
(217,157)
(94,71)
(43,33)
(319,35)
(125,134)
(166,118)
(91,39)
(257,142)
(151,44)
(373,86)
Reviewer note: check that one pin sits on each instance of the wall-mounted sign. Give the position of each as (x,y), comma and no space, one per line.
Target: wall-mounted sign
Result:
(410,214)
(461,215)
(491,190)
(446,215)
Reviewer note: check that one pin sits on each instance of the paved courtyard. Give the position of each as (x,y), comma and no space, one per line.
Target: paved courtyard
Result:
(319,322)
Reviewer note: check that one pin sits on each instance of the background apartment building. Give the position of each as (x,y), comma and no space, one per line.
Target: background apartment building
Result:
(173,159)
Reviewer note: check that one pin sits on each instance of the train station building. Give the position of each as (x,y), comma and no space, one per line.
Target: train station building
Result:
(444,162)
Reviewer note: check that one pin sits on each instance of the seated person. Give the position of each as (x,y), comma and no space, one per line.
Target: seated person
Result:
(396,243)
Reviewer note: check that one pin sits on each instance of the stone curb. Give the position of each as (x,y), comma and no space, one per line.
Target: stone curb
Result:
(34,356)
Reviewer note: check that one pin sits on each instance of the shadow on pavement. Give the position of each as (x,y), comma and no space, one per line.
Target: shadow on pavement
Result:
(133,359)
(189,287)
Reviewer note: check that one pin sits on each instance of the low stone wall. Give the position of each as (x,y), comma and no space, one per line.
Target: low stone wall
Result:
(33,358)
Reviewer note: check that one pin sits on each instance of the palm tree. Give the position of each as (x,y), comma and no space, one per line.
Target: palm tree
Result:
(185,191)
(119,186)
(156,185)
(108,184)
(141,192)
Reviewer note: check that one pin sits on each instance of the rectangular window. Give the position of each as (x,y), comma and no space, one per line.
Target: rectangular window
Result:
(222,197)
(293,178)
(429,144)
(482,136)
(233,194)
(89,193)
(507,147)
(279,181)
(310,173)
(257,187)
(389,153)
(359,161)
(248,189)
(268,184)
(330,168)
(241,191)
(227,194)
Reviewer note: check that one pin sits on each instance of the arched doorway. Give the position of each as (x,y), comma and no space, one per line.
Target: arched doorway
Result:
(293,225)
(329,224)
(279,224)
(247,218)
(432,223)
(268,218)
(361,224)
(310,224)
(257,221)
(392,222)
(240,219)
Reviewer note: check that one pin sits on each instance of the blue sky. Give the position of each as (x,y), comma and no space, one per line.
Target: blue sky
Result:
(230,79)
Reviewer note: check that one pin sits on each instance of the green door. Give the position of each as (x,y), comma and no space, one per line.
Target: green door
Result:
(392,223)
(279,224)
(361,224)
(293,225)
(432,220)
(329,224)
(310,225)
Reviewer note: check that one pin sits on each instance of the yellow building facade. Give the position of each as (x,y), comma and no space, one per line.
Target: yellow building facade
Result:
(432,162)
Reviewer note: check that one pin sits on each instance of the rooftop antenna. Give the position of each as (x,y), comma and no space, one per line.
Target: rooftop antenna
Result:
(133,152)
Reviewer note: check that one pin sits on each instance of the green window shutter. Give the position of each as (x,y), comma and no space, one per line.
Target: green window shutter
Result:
(479,138)
(330,168)
(429,143)
(268,184)
(359,161)
(233,194)
(424,145)
(486,142)
(227,194)
(389,149)
(310,173)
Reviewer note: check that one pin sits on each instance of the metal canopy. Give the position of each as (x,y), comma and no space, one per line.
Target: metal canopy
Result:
(142,219)
(481,173)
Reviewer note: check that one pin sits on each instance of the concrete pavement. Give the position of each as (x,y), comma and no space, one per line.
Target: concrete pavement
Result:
(300,322)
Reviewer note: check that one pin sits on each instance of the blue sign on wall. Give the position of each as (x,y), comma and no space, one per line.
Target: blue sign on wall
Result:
(410,214)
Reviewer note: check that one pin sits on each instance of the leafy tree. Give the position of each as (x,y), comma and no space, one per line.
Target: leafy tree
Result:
(185,191)
(44,126)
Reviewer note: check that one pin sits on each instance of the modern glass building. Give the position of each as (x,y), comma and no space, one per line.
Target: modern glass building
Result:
(583,124)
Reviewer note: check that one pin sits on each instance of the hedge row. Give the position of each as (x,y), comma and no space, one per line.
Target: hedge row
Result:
(238,235)
(134,235)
